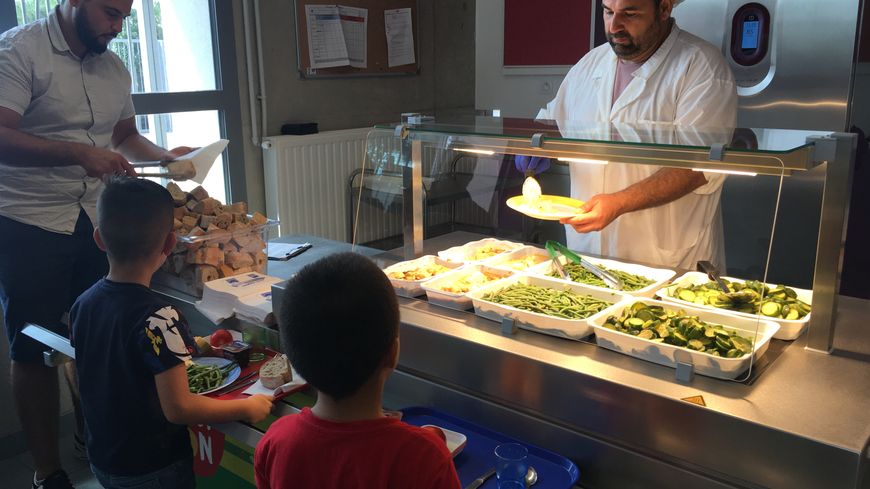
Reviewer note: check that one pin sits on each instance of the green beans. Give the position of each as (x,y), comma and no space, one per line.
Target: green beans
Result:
(577,273)
(557,303)
(201,378)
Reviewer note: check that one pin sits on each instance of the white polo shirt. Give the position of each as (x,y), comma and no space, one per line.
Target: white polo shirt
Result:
(64,98)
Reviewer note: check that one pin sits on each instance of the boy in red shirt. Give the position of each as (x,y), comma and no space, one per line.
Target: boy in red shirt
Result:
(339,324)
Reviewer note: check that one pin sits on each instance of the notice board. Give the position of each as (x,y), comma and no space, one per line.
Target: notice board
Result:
(376,50)
(546,32)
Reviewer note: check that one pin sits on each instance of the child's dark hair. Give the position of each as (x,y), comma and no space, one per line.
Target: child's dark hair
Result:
(338,320)
(134,216)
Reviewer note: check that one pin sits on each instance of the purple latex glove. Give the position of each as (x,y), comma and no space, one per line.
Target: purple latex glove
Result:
(531,165)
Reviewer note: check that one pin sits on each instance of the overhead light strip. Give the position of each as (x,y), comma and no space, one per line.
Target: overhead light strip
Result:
(584,160)
(728,172)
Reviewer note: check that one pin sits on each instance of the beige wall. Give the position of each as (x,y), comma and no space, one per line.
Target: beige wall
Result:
(445,82)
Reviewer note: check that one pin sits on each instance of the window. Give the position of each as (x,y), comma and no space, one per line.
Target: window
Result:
(175,56)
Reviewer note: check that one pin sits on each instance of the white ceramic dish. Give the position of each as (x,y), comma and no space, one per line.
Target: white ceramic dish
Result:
(509,261)
(455,441)
(413,288)
(454,300)
(219,362)
(789,329)
(659,276)
(669,355)
(468,252)
(565,328)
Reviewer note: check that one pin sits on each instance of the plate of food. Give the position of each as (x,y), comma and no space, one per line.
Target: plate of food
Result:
(546,207)
(208,374)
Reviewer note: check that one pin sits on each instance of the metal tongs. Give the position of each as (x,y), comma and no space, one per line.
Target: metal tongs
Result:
(555,247)
(192,166)
(175,169)
(713,274)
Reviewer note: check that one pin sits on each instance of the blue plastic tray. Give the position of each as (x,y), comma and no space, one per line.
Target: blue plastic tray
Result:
(554,471)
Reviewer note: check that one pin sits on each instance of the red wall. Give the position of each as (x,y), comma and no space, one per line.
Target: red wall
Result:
(546,32)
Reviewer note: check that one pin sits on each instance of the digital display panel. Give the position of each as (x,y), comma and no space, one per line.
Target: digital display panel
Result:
(750,35)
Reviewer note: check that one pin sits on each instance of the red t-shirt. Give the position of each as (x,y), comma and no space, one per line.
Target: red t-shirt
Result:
(303,451)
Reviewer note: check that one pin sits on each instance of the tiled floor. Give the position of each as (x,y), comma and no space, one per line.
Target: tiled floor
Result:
(17,472)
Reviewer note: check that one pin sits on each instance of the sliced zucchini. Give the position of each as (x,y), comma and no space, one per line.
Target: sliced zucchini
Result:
(771,309)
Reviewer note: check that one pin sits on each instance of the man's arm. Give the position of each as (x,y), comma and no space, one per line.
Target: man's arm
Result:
(662,187)
(180,406)
(135,147)
(18,148)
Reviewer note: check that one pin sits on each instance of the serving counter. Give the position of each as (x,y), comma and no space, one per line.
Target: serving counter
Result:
(800,422)
(799,418)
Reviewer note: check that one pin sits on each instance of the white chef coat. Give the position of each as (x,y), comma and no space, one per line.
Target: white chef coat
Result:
(686,84)
(64,98)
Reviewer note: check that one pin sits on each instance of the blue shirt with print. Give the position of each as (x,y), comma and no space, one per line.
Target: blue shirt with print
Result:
(124,335)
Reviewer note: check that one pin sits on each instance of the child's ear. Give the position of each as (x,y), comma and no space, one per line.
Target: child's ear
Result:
(99,240)
(169,243)
(392,358)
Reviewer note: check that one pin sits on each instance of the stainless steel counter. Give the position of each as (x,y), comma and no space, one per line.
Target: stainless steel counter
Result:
(804,422)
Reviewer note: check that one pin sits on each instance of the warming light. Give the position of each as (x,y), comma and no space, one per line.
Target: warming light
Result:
(584,160)
(728,172)
(477,151)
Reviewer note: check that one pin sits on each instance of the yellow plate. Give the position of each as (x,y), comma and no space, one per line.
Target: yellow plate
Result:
(548,207)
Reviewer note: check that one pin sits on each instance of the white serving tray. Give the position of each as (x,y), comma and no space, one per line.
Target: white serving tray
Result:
(574,329)
(789,329)
(413,288)
(465,253)
(501,261)
(669,355)
(660,276)
(453,300)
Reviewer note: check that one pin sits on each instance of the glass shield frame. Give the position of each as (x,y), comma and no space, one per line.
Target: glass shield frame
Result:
(416,178)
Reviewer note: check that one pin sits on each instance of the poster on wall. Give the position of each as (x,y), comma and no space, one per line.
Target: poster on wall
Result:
(546,32)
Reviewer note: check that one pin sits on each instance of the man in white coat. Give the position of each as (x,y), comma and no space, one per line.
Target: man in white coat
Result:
(649,72)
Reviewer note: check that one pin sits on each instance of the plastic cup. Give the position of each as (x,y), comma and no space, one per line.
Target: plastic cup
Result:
(511,465)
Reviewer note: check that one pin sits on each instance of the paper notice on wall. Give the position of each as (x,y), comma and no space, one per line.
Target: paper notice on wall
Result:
(326,44)
(400,36)
(354,26)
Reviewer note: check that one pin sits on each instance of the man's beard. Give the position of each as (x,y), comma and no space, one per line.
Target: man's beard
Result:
(86,33)
(623,50)
(636,46)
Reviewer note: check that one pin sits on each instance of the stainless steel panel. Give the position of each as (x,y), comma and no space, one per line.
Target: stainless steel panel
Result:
(832,236)
(811,59)
(412,193)
(789,428)
(602,463)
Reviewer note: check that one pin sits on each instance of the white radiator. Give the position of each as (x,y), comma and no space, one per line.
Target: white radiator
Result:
(306,180)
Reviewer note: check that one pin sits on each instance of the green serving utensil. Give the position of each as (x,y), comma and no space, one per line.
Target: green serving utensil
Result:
(555,247)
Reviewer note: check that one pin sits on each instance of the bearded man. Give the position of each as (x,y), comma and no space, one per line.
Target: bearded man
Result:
(655,78)
(66,120)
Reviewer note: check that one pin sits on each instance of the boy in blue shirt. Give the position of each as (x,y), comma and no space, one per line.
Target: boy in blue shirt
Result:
(131,348)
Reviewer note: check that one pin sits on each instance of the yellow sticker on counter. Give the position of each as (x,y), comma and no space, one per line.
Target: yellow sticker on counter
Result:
(699,400)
